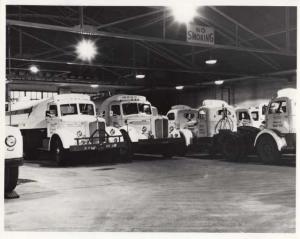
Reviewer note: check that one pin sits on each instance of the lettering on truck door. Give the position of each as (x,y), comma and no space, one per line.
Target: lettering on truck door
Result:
(116,115)
(52,119)
(278,116)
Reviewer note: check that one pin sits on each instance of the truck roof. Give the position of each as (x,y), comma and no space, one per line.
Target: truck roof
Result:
(181,107)
(214,103)
(126,98)
(71,96)
(27,103)
(287,92)
(24,104)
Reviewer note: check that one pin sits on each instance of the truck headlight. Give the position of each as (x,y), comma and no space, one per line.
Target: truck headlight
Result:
(112,132)
(79,133)
(10,140)
(171,129)
(144,129)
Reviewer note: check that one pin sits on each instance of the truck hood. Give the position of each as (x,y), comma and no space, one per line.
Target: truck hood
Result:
(81,118)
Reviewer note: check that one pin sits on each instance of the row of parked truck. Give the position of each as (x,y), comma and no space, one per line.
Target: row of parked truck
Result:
(126,124)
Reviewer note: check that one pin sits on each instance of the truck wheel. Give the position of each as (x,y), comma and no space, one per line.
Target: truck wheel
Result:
(182,148)
(58,152)
(11,178)
(31,155)
(168,153)
(233,147)
(126,153)
(267,149)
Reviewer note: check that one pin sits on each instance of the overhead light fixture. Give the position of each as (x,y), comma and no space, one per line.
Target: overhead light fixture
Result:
(183,12)
(219,82)
(94,86)
(34,69)
(179,87)
(86,50)
(140,76)
(211,61)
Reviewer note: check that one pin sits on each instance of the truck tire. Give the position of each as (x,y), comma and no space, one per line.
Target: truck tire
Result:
(182,148)
(233,147)
(249,134)
(126,153)
(167,153)
(31,155)
(213,148)
(58,153)
(267,149)
(11,178)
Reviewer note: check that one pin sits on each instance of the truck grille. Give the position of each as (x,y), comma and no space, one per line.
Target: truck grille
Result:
(165,128)
(101,129)
(161,128)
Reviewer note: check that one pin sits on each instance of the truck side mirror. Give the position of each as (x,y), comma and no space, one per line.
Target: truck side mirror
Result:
(50,113)
(111,113)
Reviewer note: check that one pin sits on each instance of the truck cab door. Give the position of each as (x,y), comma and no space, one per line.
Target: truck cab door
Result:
(278,117)
(202,123)
(115,116)
(171,118)
(52,119)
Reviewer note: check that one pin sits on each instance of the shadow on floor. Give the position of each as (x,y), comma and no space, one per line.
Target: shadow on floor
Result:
(288,160)
(104,160)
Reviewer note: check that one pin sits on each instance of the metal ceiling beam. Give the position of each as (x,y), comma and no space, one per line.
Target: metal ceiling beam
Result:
(142,38)
(245,28)
(128,19)
(233,37)
(274,33)
(125,67)
(45,42)
(74,83)
(273,74)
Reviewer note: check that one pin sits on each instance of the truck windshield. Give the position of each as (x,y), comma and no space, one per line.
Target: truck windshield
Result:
(135,108)
(86,109)
(187,115)
(68,109)
(254,115)
(244,115)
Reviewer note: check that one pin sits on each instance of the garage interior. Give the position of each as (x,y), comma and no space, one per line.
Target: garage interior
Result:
(255,52)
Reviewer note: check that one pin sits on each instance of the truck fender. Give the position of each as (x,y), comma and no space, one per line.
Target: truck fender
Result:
(133,134)
(66,138)
(280,141)
(117,132)
(188,136)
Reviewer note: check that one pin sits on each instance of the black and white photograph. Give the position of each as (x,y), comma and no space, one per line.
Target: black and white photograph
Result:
(178,117)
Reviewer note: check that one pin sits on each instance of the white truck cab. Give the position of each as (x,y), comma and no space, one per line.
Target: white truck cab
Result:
(215,128)
(183,117)
(61,124)
(145,129)
(216,115)
(13,157)
(244,117)
(218,124)
(279,134)
(258,115)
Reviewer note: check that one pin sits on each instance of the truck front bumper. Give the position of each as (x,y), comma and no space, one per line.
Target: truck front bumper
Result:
(97,147)
(153,146)
(13,162)
(162,141)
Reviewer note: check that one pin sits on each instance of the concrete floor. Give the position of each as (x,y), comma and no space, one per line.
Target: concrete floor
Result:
(190,194)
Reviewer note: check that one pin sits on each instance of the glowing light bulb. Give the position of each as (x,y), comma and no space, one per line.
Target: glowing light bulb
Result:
(86,50)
